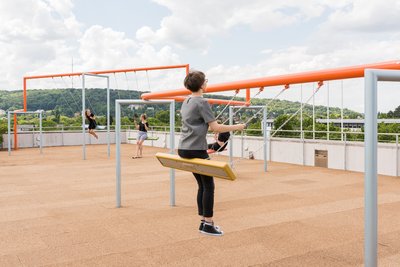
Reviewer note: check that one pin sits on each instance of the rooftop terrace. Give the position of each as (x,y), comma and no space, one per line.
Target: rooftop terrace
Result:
(59,210)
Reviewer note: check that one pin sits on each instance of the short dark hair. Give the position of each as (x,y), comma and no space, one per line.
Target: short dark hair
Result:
(194,80)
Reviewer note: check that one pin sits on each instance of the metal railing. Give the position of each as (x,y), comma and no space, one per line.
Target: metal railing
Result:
(348,136)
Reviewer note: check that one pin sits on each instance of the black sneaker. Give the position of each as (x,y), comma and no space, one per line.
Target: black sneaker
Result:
(210,229)
(201,225)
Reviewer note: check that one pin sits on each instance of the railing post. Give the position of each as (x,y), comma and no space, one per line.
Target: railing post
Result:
(345,151)
(62,134)
(397,155)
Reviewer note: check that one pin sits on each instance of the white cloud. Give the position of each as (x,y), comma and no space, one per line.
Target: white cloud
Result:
(145,34)
(193,24)
(105,48)
(42,37)
(297,59)
(39,37)
(372,16)
(32,35)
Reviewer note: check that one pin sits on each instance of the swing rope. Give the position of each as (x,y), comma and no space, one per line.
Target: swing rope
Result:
(116,85)
(301,107)
(226,106)
(258,149)
(148,81)
(72,96)
(239,109)
(260,90)
(256,114)
(90,104)
(137,83)
(63,97)
(127,81)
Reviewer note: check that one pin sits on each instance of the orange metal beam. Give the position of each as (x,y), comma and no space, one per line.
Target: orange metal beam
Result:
(211,101)
(186,66)
(304,77)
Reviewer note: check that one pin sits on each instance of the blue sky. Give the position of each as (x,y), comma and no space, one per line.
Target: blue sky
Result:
(228,39)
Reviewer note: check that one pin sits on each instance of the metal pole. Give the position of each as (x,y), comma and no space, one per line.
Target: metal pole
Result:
(62,134)
(397,154)
(118,151)
(370,153)
(345,151)
(327,113)
(9,133)
(83,118)
(265,137)
(108,117)
(41,132)
(231,142)
(301,123)
(313,112)
(242,144)
(341,113)
(172,151)
(301,107)
(33,136)
(118,104)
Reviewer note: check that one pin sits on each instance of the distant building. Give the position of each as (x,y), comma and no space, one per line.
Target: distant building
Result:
(2,112)
(354,124)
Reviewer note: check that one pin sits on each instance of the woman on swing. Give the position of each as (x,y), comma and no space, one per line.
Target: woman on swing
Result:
(92,122)
(197,117)
(143,127)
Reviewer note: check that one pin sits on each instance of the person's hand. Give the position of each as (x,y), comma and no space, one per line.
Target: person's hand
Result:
(241,126)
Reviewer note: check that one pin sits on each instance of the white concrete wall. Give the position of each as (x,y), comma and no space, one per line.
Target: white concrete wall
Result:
(58,138)
(341,155)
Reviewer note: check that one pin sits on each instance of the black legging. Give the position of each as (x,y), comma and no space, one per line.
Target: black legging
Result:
(205,193)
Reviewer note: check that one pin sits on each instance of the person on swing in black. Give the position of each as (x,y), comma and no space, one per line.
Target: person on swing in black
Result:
(221,141)
(92,122)
(197,117)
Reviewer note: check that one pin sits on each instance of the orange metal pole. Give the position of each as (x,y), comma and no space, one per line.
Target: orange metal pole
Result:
(304,77)
(25,102)
(248,98)
(211,101)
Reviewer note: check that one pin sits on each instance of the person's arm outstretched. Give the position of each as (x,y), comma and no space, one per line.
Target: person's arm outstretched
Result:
(221,128)
(135,123)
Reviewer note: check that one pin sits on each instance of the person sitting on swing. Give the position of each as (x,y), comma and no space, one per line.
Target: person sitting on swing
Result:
(221,141)
(143,127)
(92,122)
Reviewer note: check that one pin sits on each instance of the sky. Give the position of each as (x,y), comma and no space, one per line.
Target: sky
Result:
(229,40)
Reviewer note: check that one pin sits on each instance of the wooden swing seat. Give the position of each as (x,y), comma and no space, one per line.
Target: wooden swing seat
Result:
(202,166)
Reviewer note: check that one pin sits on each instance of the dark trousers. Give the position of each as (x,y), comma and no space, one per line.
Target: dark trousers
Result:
(205,192)
(216,147)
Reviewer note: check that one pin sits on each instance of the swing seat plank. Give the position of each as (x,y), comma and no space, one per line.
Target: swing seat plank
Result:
(202,166)
(148,138)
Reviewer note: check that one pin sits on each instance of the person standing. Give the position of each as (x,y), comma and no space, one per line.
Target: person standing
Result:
(142,127)
(197,117)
